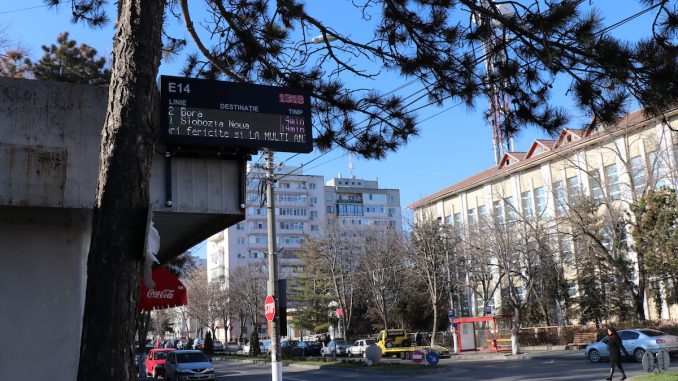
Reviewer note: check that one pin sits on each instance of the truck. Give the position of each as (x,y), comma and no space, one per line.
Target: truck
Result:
(398,343)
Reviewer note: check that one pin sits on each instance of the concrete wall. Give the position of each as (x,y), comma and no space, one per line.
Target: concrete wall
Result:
(42,288)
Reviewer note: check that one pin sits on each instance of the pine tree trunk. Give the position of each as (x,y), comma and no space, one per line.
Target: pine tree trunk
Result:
(122,198)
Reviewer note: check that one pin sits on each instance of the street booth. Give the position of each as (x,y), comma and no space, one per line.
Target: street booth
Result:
(484,333)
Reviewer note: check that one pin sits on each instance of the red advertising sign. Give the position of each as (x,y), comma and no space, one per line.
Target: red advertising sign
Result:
(168,292)
(269,308)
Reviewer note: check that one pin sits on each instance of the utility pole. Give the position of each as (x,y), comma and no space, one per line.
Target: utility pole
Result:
(272,284)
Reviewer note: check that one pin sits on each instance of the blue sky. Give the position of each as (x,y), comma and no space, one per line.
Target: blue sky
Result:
(454,142)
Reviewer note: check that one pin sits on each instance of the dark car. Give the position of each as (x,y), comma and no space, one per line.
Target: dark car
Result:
(290,348)
(310,348)
(217,346)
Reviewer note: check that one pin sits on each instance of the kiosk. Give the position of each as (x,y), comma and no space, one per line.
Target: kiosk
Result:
(484,333)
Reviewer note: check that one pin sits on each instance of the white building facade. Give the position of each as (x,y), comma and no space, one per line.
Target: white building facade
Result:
(303,204)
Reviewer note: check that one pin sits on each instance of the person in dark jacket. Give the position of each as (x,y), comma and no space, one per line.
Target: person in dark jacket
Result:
(615,348)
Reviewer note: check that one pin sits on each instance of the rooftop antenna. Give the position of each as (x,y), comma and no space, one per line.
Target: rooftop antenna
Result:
(351,166)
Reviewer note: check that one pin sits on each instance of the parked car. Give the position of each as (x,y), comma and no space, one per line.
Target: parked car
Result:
(310,348)
(264,345)
(358,348)
(636,342)
(198,344)
(155,362)
(290,348)
(340,345)
(188,364)
(217,346)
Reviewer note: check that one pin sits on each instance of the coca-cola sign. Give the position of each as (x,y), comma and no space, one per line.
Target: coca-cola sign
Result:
(168,292)
(160,294)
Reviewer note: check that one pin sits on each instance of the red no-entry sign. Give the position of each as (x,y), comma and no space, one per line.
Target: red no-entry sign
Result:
(269,308)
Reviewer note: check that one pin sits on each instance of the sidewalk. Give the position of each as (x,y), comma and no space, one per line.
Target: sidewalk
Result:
(525,354)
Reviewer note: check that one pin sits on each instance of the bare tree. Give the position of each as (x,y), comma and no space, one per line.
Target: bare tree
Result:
(207,301)
(381,271)
(247,285)
(335,253)
(427,255)
(480,263)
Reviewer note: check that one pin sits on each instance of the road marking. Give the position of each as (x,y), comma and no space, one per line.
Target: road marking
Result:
(232,373)
(294,379)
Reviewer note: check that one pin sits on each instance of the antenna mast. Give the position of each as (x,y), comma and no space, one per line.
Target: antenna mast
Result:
(499,100)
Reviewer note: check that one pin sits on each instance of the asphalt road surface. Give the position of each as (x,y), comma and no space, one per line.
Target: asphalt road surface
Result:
(556,365)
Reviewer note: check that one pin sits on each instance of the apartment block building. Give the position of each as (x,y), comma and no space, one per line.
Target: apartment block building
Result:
(304,204)
(614,165)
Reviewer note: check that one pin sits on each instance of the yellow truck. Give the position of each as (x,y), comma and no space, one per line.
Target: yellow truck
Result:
(397,342)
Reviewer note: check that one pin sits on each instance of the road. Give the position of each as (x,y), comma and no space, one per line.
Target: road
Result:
(555,365)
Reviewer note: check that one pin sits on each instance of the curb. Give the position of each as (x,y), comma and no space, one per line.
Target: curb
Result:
(424,368)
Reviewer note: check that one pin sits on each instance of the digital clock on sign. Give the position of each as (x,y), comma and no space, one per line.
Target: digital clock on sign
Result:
(291,98)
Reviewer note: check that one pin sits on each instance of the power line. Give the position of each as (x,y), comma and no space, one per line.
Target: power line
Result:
(25,9)
(477,61)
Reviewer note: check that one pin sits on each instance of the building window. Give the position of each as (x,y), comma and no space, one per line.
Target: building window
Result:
(240,226)
(448,220)
(561,198)
(540,197)
(638,174)
(350,210)
(458,223)
(656,162)
(567,250)
(330,210)
(390,199)
(498,208)
(612,182)
(511,209)
(311,186)
(572,187)
(329,197)
(472,217)
(595,185)
(482,213)
(526,202)
(241,240)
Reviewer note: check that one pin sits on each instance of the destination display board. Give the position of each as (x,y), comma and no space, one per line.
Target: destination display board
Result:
(200,112)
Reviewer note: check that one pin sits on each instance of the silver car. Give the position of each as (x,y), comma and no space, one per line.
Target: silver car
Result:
(264,346)
(358,348)
(636,342)
(188,365)
(340,346)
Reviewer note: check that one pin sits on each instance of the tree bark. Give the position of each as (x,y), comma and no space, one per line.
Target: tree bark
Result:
(515,330)
(642,284)
(122,198)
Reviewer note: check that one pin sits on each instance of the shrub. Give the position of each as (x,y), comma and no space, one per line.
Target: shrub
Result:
(255,348)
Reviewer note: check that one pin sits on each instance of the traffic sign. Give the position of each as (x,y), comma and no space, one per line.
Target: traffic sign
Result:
(269,308)
(418,356)
(432,357)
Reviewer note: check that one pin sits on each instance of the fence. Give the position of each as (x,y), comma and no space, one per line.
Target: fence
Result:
(562,335)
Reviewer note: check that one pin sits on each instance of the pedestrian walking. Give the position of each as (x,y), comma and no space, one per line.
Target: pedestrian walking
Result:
(615,348)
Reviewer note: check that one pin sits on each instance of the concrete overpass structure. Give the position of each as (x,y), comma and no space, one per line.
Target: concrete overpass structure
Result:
(49,159)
